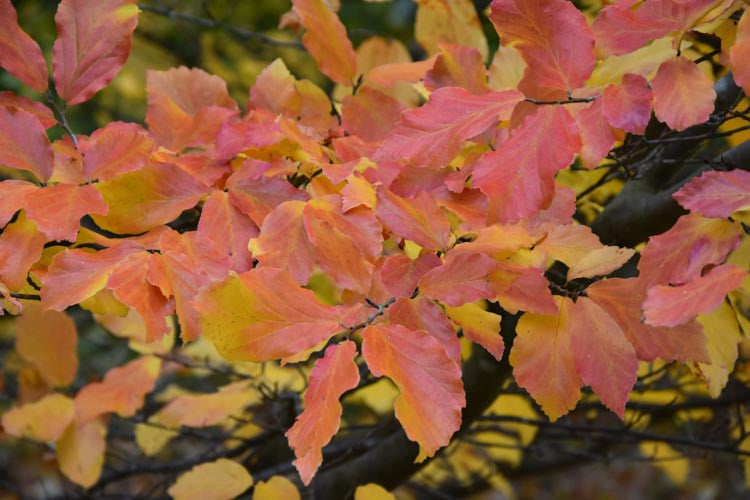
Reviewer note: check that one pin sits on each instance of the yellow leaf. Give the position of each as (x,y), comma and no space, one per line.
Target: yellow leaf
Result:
(276,488)
(479,326)
(219,480)
(80,451)
(451,21)
(372,491)
(722,335)
(151,438)
(35,421)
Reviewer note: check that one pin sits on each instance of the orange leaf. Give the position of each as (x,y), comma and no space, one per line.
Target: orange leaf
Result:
(683,94)
(257,196)
(458,66)
(419,219)
(462,278)
(130,281)
(673,305)
(597,137)
(739,54)
(115,149)
(622,299)
(143,199)
(93,43)
(283,242)
(80,451)
(122,390)
(327,41)
(21,245)
(541,30)
(223,479)
(191,262)
(33,420)
(431,136)
(10,100)
(47,340)
(431,392)
(24,143)
(229,229)
(370,114)
(12,194)
(423,314)
(603,356)
(186,107)
(204,410)
(75,275)
(263,315)
(346,245)
(331,376)
(519,177)
(20,55)
(543,361)
(400,275)
(521,288)
(57,210)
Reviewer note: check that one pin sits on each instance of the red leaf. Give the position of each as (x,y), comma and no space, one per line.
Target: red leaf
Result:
(597,137)
(431,136)
(257,196)
(230,230)
(542,31)
(622,299)
(10,100)
(20,55)
(24,143)
(400,274)
(628,106)
(418,219)
(681,253)
(462,278)
(93,43)
(12,195)
(683,94)
(115,149)
(327,41)
(370,114)
(331,376)
(603,356)
(431,392)
(521,288)
(57,210)
(671,306)
(519,178)
(424,314)
(716,194)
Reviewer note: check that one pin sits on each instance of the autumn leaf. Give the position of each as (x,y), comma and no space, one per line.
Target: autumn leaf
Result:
(431,392)
(93,43)
(449,21)
(479,326)
(262,315)
(122,390)
(331,376)
(80,451)
(672,305)
(543,360)
(421,313)
(539,30)
(115,149)
(24,143)
(21,245)
(740,52)
(276,488)
(222,479)
(20,55)
(400,274)
(431,135)
(32,419)
(48,340)
(57,210)
(683,94)
(716,194)
(628,106)
(327,41)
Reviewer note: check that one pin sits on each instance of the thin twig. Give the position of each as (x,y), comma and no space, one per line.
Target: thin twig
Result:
(241,33)
(571,100)
(59,113)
